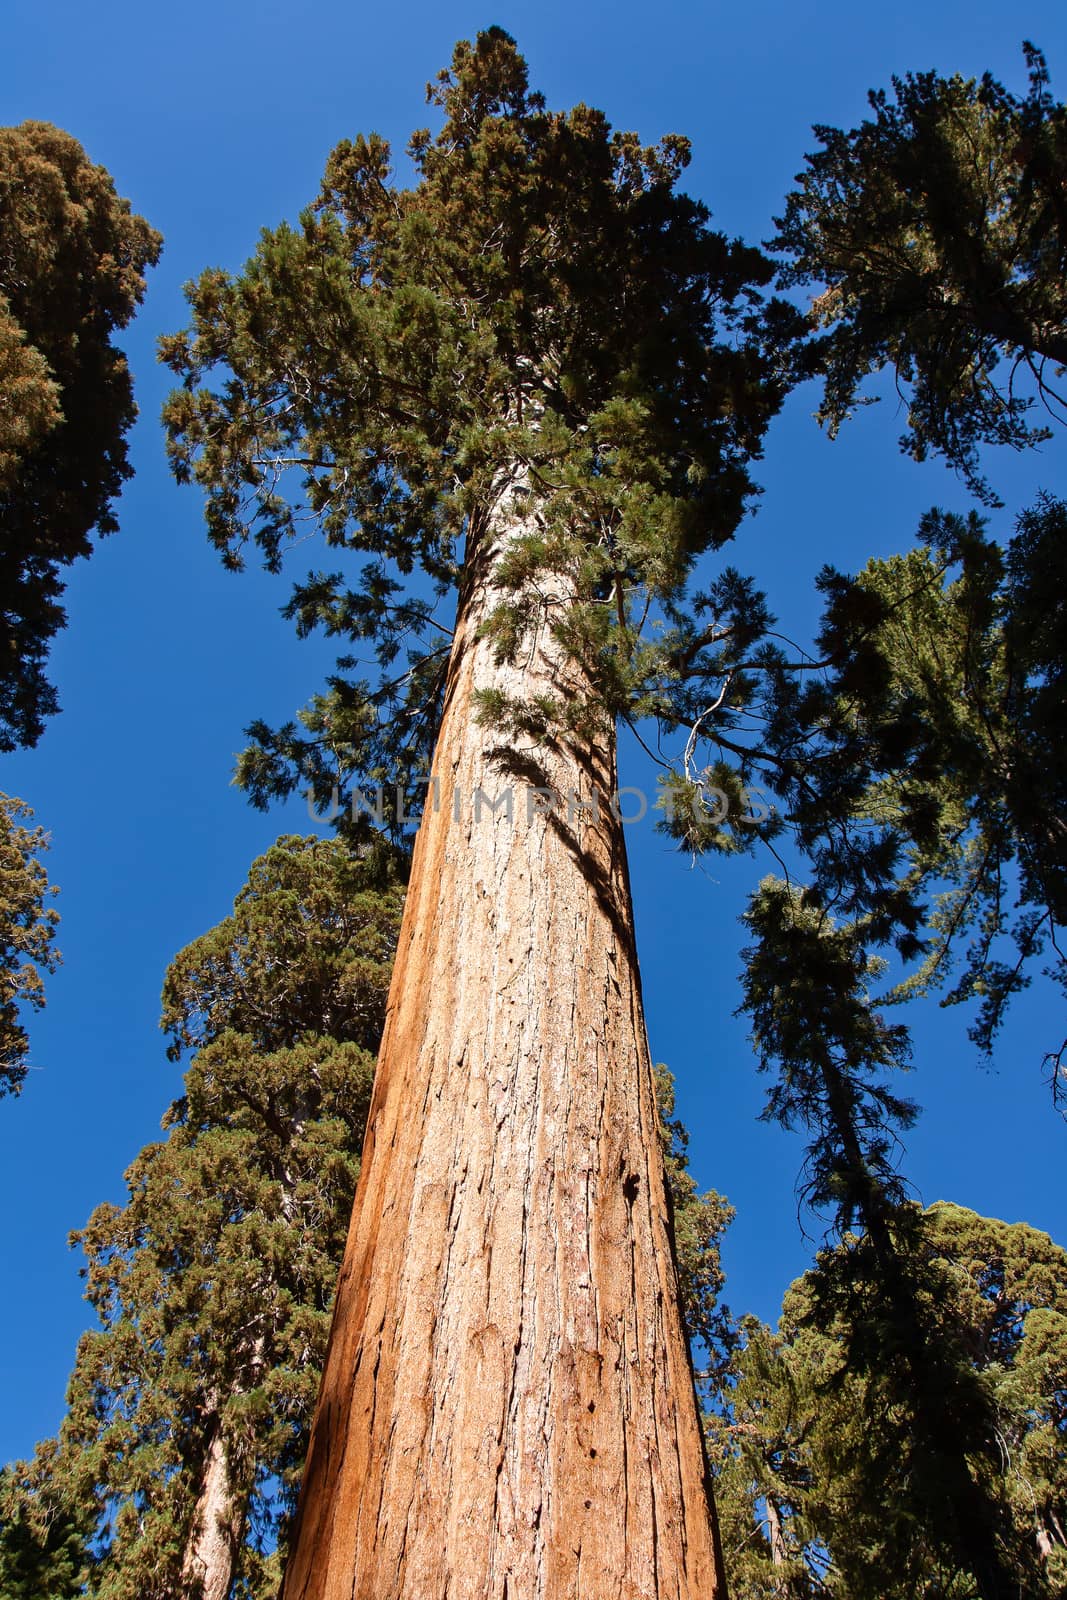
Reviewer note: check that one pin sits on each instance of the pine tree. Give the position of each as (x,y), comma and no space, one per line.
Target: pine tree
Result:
(531,377)
(916,751)
(815,1027)
(72,261)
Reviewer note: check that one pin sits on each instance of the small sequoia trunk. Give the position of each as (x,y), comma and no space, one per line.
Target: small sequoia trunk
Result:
(507,1410)
(217,1529)
(774,1531)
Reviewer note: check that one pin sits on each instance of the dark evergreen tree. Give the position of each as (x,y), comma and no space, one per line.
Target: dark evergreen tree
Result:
(937,233)
(72,261)
(915,753)
(46,1530)
(806,989)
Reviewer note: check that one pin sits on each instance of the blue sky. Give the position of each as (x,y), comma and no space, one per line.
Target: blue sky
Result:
(216,120)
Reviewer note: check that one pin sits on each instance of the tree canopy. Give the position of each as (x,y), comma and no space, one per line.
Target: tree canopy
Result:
(72,262)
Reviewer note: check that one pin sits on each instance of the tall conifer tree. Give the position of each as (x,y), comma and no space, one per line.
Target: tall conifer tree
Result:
(528,375)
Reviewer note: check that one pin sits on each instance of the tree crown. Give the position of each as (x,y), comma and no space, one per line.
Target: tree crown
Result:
(541,311)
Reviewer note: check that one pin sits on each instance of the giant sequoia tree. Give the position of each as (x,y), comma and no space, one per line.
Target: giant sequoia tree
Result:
(526,377)
(72,261)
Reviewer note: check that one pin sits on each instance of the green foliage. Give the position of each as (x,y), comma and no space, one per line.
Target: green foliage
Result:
(928,1420)
(541,313)
(44,1534)
(699,1222)
(213,1282)
(805,988)
(916,760)
(707,812)
(827,1481)
(948,676)
(306,950)
(27,929)
(938,231)
(756,1435)
(72,259)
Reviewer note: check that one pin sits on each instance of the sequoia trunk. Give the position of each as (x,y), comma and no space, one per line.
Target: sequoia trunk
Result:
(507,1410)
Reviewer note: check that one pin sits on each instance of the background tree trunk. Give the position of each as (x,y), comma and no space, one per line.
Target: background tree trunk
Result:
(774,1531)
(507,1410)
(218,1527)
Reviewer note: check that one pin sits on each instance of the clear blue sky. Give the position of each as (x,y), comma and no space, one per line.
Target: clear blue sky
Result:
(216,120)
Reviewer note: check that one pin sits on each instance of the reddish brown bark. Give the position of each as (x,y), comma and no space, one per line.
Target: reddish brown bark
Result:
(507,1411)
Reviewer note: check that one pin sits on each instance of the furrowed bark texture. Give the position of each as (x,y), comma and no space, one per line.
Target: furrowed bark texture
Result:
(507,1410)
